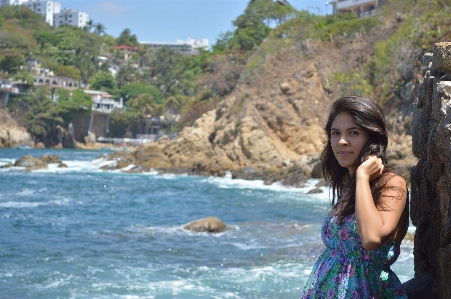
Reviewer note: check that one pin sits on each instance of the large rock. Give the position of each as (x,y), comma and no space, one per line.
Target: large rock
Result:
(12,136)
(30,163)
(431,177)
(209,225)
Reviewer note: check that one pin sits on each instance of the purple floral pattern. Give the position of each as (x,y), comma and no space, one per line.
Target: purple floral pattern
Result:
(346,270)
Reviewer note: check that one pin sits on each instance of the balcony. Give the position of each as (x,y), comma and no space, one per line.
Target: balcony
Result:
(351,5)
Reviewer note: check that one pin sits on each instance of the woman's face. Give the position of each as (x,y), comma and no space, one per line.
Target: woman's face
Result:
(347,140)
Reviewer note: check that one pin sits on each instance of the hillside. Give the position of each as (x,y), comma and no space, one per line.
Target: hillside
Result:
(272,121)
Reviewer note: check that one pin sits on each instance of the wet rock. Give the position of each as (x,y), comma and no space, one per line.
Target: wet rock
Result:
(30,163)
(39,145)
(209,225)
(50,159)
(315,190)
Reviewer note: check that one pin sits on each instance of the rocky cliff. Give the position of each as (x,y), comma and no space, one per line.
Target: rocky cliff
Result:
(273,119)
(11,134)
(431,177)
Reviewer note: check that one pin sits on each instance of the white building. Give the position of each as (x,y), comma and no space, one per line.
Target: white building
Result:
(103,101)
(360,7)
(187,47)
(71,17)
(51,10)
(47,8)
(12,2)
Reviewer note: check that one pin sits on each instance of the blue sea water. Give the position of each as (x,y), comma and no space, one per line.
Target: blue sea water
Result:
(80,232)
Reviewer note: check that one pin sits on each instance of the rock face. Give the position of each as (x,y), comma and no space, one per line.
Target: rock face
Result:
(30,163)
(11,134)
(431,177)
(209,225)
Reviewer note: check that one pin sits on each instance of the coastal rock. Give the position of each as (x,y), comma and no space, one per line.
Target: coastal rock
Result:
(30,163)
(11,134)
(431,176)
(39,145)
(50,159)
(209,225)
(315,191)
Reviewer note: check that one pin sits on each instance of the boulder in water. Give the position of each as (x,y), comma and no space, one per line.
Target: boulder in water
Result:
(30,163)
(209,225)
(50,159)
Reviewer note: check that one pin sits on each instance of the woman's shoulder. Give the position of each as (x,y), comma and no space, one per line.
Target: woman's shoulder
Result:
(396,179)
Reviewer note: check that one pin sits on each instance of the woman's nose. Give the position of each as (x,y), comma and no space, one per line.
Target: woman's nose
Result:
(342,141)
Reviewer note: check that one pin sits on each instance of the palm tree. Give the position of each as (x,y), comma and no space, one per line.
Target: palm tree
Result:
(172,104)
(89,25)
(99,29)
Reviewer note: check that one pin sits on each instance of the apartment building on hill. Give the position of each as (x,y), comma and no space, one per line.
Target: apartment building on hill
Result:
(71,17)
(51,10)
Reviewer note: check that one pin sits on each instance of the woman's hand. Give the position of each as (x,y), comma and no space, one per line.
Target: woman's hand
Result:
(371,169)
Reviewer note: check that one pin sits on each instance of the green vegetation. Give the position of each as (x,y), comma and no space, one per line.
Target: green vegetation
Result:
(353,83)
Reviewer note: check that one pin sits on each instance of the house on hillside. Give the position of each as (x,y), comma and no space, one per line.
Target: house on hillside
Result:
(360,7)
(127,51)
(103,101)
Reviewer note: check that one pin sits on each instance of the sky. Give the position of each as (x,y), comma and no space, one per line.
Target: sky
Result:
(171,20)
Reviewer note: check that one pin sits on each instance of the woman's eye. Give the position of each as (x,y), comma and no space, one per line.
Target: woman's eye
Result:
(354,133)
(334,133)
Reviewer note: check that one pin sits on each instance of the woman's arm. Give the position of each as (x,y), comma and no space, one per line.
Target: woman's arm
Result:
(375,225)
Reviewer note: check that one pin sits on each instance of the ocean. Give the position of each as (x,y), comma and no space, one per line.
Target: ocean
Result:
(81,232)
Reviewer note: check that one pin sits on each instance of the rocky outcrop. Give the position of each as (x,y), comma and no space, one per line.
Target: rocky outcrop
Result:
(271,126)
(431,177)
(209,225)
(11,134)
(30,163)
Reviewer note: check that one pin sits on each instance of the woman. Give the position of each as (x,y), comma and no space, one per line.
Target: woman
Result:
(370,212)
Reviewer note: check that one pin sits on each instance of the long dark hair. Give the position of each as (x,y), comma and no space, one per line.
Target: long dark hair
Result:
(368,116)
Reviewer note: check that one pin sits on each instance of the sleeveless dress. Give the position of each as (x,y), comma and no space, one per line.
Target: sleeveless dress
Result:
(346,270)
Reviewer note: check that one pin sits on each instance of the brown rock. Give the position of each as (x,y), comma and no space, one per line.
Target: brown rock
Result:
(209,225)
(30,163)
(39,145)
(431,176)
(50,159)
(442,57)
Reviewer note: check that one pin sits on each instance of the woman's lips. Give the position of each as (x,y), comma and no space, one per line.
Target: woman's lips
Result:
(344,153)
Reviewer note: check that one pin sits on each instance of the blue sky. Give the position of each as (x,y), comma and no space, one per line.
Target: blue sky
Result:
(168,20)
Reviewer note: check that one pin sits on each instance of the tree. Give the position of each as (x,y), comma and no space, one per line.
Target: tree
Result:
(133,90)
(73,103)
(88,25)
(43,115)
(86,61)
(11,60)
(99,29)
(126,38)
(45,37)
(125,76)
(144,105)
(103,81)
(26,78)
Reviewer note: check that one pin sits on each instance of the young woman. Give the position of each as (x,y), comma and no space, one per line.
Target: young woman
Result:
(369,218)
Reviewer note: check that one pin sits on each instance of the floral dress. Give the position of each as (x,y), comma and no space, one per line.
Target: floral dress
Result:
(346,270)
